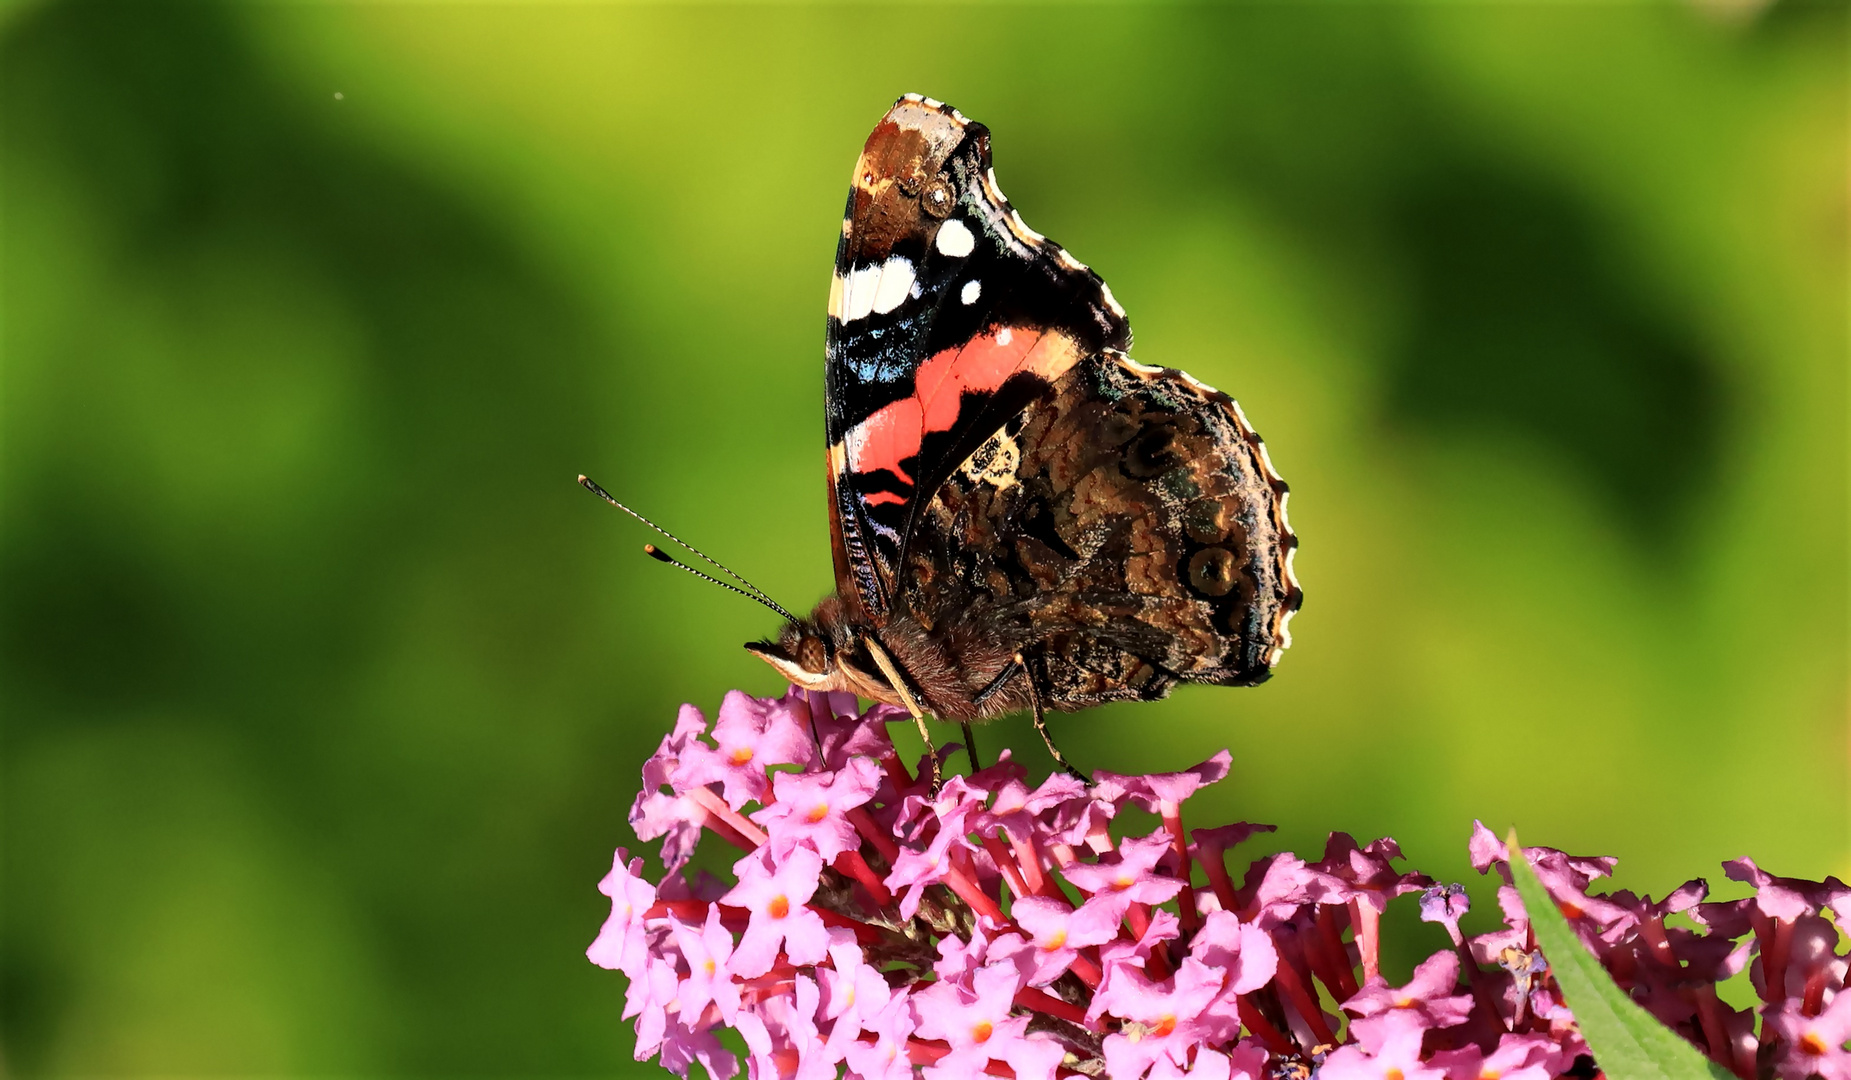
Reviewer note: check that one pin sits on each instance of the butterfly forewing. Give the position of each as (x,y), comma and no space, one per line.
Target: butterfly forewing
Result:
(947,316)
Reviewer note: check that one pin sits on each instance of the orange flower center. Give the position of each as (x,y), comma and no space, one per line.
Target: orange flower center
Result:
(779,907)
(1813,1044)
(817,813)
(1164,1026)
(1123,883)
(980,1032)
(1394,1074)
(1404,1003)
(1058,939)
(710,967)
(742,755)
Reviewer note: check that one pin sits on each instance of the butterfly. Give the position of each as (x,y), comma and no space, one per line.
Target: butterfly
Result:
(1022,516)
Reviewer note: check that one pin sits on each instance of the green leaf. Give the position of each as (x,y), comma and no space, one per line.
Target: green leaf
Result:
(1628,1042)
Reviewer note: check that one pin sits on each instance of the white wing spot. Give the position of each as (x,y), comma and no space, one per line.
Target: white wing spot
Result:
(1110,300)
(1068,261)
(896,282)
(955,240)
(858,292)
(1003,335)
(972,290)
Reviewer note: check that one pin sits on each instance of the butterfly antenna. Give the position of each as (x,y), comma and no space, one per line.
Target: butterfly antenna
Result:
(751,591)
(659,555)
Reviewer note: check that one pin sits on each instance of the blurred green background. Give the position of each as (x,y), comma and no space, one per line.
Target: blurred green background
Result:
(325,689)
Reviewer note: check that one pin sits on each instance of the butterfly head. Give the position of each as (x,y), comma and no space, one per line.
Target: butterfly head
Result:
(824,652)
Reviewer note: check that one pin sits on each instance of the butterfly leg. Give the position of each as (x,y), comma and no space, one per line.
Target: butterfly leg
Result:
(1041,725)
(885,663)
(1010,671)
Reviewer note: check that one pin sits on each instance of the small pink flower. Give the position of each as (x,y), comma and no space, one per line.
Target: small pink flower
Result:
(751,735)
(811,808)
(1394,1054)
(1242,952)
(776,897)
(1125,956)
(621,943)
(1445,904)
(650,993)
(1789,898)
(1427,997)
(1128,879)
(977,1026)
(707,949)
(1058,932)
(817,1057)
(885,1057)
(1152,792)
(844,735)
(855,995)
(945,820)
(1485,848)
(1811,1045)
(683,1047)
(1164,1019)
(1009,811)
(1278,886)
(1368,872)
(1519,1056)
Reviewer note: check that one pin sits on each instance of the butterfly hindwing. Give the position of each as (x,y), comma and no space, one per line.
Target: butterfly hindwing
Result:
(1124,534)
(947,316)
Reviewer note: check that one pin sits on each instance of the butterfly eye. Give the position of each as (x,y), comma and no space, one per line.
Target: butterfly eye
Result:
(813,654)
(937,199)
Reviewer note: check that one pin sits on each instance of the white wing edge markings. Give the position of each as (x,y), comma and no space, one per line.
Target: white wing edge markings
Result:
(1282,631)
(1110,300)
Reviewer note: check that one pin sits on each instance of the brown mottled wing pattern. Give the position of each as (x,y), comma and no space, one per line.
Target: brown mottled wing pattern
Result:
(1125,533)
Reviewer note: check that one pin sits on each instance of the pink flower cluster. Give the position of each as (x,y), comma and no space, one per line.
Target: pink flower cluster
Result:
(879,929)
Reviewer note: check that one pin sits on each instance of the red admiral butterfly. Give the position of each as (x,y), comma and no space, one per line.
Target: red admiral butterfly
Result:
(1022,515)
